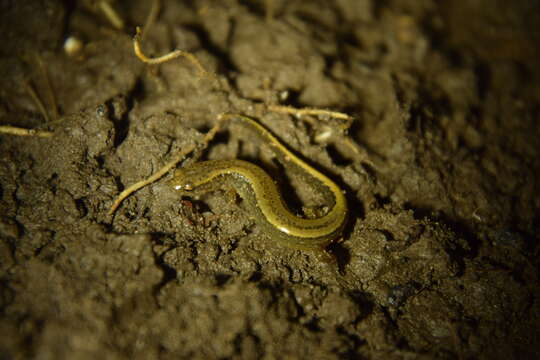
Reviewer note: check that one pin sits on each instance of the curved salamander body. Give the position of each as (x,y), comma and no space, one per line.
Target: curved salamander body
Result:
(261,193)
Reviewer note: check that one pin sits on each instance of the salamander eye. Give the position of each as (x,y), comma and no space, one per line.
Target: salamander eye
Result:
(187,187)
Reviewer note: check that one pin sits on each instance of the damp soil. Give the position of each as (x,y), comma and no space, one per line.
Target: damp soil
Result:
(440,167)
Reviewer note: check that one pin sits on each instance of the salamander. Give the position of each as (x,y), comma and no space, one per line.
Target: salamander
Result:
(262,196)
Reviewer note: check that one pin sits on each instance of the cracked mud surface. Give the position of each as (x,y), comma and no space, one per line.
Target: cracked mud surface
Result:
(439,259)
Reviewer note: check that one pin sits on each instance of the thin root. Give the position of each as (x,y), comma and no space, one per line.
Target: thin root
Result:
(111,14)
(269,10)
(50,91)
(151,18)
(12,130)
(30,90)
(361,154)
(313,112)
(167,57)
(165,169)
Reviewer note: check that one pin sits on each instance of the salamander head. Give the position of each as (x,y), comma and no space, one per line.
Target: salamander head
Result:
(181,182)
(192,177)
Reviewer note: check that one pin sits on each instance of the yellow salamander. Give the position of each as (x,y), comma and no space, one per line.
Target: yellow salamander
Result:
(260,192)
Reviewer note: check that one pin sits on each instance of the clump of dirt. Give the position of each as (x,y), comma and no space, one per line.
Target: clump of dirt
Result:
(440,167)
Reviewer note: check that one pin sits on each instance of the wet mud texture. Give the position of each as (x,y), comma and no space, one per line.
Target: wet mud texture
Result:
(439,259)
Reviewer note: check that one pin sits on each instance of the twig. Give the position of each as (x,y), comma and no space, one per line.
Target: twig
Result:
(6,129)
(162,171)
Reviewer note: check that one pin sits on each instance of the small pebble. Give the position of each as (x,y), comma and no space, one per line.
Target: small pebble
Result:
(73,46)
